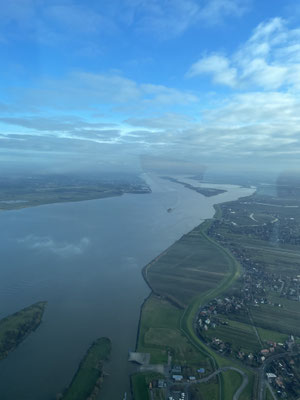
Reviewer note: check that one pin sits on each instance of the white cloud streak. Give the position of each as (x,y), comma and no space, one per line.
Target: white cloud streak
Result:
(88,91)
(47,244)
(218,66)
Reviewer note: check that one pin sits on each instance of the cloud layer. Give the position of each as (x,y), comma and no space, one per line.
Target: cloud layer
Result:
(247,111)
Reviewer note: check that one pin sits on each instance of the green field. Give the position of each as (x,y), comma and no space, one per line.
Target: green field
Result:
(242,336)
(273,322)
(268,395)
(140,386)
(192,266)
(271,335)
(165,327)
(89,374)
(16,327)
(193,271)
(277,319)
(232,381)
(203,391)
(250,390)
(160,333)
(282,260)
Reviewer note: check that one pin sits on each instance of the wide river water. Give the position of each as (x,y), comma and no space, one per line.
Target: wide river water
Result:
(85,259)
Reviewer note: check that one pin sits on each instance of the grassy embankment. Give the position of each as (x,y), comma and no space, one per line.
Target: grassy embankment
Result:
(193,271)
(16,327)
(268,395)
(88,378)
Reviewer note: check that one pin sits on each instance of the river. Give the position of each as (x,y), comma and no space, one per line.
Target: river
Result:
(85,259)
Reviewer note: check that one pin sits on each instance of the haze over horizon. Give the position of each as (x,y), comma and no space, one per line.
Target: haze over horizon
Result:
(88,85)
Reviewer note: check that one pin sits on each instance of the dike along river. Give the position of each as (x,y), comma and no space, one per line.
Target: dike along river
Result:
(85,259)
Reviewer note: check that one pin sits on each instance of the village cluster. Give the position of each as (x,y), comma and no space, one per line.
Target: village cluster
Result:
(256,279)
(212,315)
(283,375)
(177,381)
(257,287)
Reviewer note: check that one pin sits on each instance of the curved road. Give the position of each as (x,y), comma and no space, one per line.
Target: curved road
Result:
(218,371)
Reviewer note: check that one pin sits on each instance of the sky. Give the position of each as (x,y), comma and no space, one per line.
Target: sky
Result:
(90,84)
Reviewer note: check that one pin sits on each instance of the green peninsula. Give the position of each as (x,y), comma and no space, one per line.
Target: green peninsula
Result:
(205,191)
(87,380)
(16,327)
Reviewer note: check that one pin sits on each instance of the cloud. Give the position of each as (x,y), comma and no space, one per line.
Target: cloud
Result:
(218,66)
(258,118)
(98,93)
(269,60)
(255,125)
(216,10)
(270,108)
(165,121)
(61,123)
(62,249)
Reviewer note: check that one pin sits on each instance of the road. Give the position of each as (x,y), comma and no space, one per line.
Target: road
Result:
(271,391)
(261,373)
(236,395)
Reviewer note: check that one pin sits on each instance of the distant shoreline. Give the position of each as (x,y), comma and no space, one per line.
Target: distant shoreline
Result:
(52,198)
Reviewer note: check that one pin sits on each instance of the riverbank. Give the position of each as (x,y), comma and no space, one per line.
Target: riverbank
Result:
(64,197)
(191,271)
